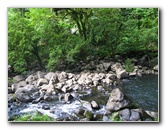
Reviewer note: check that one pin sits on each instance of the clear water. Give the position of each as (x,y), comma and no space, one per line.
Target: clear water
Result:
(143,91)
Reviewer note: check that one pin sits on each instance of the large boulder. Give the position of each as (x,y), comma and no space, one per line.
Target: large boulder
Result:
(23,95)
(117,100)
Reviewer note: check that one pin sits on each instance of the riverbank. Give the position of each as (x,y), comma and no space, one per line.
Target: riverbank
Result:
(62,94)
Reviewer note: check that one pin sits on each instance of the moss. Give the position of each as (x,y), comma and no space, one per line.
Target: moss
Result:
(14,97)
(88,114)
(34,117)
(115,116)
(156,119)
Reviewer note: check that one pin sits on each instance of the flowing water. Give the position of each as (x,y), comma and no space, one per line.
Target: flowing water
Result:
(142,90)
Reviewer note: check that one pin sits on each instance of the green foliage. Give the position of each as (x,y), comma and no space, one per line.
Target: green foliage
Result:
(128,65)
(115,116)
(42,37)
(156,119)
(35,117)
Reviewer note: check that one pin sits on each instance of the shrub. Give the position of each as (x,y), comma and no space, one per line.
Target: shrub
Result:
(128,65)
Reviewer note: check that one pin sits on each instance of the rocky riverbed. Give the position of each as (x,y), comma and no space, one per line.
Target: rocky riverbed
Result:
(89,95)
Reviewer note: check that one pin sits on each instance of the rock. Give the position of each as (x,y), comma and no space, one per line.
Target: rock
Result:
(31,88)
(23,95)
(19,78)
(61,97)
(155,68)
(133,74)
(95,105)
(66,89)
(63,76)
(48,97)
(30,79)
(68,97)
(105,118)
(111,76)
(122,74)
(14,87)
(100,88)
(117,100)
(54,79)
(46,107)
(40,74)
(86,105)
(49,75)
(76,87)
(95,82)
(48,88)
(125,114)
(107,66)
(117,67)
(135,115)
(42,81)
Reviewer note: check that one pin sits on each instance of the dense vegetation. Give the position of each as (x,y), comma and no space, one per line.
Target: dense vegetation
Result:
(47,37)
(33,117)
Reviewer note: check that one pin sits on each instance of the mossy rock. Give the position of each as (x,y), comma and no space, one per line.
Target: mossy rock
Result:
(88,114)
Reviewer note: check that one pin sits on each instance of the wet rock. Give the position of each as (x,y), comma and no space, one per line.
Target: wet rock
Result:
(95,82)
(133,74)
(86,105)
(68,97)
(61,97)
(37,100)
(46,107)
(117,100)
(77,87)
(95,105)
(100,88)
